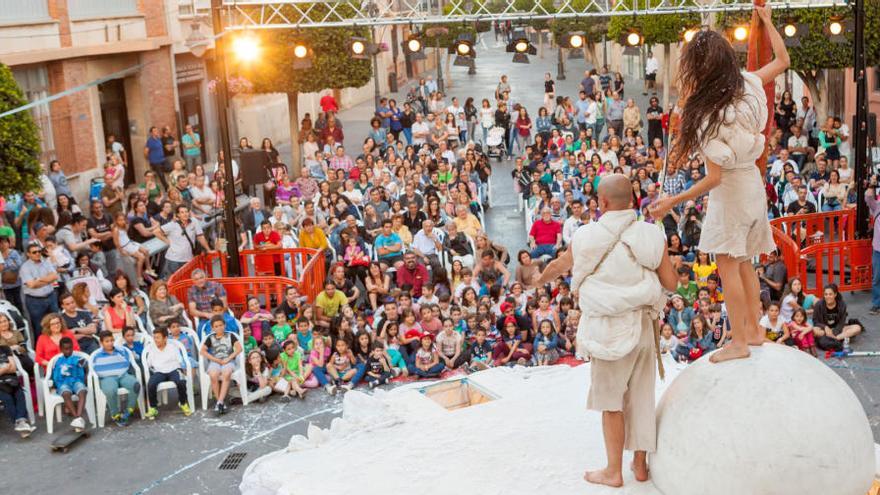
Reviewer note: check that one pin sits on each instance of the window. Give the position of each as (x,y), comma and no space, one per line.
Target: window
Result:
(877,79)
(15,11)
(192,8)
(85,9)
(34,83)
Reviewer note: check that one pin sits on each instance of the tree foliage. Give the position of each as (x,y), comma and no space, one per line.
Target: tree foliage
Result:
(332,67)
(19,141)
(817,51)
(659,29)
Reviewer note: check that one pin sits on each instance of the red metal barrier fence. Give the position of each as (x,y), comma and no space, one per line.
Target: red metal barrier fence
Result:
(302,268)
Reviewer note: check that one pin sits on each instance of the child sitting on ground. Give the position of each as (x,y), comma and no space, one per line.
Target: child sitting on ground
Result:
(451,346)
(291,372)
(318,361)
(281,329)
(546,345)
(69,376)
(258,373)
(342,366)
(395,350)
(113,367)
(668,341)
(480,352)
(802,332)
(428,296)
(250,343)
(270,345)
(304,334)
(427,360)
(378,370)
(508,350)
(775,328)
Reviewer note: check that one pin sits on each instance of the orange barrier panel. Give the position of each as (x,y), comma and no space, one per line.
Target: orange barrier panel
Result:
(847,264)
(788,250)
(307,267)
(269,290)
(814,228)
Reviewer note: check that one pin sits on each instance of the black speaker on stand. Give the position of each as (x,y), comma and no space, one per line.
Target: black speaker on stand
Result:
(254,164)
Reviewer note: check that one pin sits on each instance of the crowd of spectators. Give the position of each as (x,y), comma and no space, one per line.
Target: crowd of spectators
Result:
(415,286)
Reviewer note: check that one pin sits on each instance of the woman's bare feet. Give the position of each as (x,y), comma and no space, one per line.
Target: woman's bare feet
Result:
(604,477)
(729,352)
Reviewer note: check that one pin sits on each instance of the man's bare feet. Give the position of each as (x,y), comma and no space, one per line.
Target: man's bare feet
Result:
(641,471)
(604,477)
(729,352)
(639,466)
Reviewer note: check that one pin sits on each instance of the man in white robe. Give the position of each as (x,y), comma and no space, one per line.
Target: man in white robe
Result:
(618,266)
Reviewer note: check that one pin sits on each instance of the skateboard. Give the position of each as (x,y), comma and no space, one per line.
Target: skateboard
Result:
(63,441)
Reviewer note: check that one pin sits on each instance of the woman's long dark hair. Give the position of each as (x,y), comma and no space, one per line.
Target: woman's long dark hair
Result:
(710,79)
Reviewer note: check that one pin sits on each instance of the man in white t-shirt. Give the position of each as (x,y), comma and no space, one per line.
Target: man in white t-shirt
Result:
(572,223)
(652,66)
(798,145)
(181,235)
(420,131)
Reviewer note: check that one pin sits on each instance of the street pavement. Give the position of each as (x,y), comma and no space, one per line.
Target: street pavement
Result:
(177,455)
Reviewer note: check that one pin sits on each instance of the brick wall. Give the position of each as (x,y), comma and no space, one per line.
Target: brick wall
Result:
(157,83)
(58,11)
(73,125)
(154,14)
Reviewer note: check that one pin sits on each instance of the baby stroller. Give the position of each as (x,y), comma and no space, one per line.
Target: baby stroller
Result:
(495,143)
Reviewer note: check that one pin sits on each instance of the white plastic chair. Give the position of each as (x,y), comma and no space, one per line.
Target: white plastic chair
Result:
(14,316)
(143,295)
(238,377)
(101,399)
(53,400)
(164,387)
(25,379)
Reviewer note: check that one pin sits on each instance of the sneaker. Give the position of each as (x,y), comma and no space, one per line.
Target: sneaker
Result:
(331,389)
(185,409)
(124,420)
(285,399)
(875,311)
(217,408)
(78,424)
(395,372)
(348,386)
(22,426)
(372,384)
(151,273)
(223,409)
(151,413)
(131,411)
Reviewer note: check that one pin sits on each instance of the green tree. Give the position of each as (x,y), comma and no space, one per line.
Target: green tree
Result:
(593,28)
(659,29)
(332,68)
(816,53)
(19,141)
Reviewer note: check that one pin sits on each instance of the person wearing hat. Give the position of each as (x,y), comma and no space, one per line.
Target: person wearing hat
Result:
(626,261)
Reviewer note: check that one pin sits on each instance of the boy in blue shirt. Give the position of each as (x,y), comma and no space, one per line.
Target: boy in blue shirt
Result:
(218,309)
(112,365)
(69,376)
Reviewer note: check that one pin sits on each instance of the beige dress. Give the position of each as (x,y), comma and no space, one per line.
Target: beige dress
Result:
(736,221)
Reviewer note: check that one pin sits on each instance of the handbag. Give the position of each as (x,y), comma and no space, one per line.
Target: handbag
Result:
(195,246)
(9,277)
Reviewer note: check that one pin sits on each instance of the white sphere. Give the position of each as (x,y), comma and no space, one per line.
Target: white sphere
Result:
(779,422)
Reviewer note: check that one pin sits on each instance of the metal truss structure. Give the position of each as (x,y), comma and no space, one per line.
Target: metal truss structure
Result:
(298,14)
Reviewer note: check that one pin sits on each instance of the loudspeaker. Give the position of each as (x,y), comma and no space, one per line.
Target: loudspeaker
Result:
(254,164)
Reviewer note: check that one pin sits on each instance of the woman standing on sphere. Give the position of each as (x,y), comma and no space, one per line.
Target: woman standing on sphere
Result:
(724,114)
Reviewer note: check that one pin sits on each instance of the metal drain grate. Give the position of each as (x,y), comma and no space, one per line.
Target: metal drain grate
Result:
(232,461)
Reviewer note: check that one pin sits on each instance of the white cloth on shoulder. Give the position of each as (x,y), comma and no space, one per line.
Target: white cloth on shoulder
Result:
(739,140)
(613,296)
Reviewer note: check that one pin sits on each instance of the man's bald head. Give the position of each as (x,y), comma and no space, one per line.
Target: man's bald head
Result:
(615,193)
